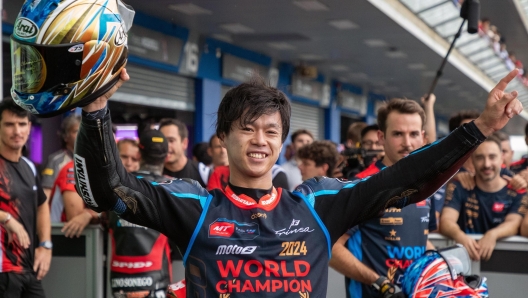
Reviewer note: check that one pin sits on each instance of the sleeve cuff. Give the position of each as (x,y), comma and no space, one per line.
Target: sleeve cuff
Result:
(99,114)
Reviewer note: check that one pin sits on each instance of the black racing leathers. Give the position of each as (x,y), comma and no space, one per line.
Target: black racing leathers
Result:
(104,184)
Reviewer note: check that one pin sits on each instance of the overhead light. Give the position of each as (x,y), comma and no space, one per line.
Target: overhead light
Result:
(311,5)
(375,43)
(310,57)
(416,66)
(223,37)
(395,54)
(281,46)
(190,9)
(343,24)
(339,67)
(237,28)
(429,74)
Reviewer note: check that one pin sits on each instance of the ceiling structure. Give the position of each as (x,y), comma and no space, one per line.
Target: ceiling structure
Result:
(351,41)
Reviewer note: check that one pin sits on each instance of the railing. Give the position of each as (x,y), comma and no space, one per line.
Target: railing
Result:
(77,265)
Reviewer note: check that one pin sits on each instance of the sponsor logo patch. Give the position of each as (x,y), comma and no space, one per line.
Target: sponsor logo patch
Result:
(498,207)
(225,228)
(295,223)
(391,221)
(392,236)
(83,184)
(259,215)
(235,250)
(135,265)
(131,282)
(25,28)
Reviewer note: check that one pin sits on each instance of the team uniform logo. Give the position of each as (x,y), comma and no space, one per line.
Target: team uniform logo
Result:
(392,236)
(84,184)
(295,223)
(224,228)
(498,207)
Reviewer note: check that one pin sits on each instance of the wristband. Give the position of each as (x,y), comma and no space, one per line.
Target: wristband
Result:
(8,218)
(379,283)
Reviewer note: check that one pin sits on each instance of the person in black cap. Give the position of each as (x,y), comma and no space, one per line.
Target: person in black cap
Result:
(140,263)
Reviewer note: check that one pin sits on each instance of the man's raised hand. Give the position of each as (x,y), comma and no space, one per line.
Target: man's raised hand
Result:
(500,107)
(101,101)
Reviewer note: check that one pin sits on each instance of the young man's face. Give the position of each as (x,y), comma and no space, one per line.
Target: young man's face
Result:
(507,153)
(301,140)
(218,153)
(177,146)
(14,130)
(309,169)
(129,155)
(253,149)
(370,141)
(403,135)
(487,160)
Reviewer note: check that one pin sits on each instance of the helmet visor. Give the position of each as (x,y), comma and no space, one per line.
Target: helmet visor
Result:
(38,68)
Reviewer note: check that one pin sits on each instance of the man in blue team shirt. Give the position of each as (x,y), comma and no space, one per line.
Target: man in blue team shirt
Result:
(378,251)
(491,208)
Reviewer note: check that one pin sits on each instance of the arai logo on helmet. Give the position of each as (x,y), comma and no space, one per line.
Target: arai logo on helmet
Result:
(25,28)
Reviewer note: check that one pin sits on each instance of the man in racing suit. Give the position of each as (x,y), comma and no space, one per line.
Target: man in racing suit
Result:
(141,265)
(250,239)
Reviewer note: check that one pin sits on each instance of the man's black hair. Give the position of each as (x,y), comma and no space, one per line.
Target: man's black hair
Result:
(200,152)
(369,128)
(456,120)
(8,104)
(247,102)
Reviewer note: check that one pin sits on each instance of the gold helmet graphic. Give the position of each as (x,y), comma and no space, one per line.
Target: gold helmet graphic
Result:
(67,53)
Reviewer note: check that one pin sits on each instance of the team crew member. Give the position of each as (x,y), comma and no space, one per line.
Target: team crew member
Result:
(24,216)
(491,208)
(129,154)
(378,251)
(522,164)
(67,206)
(217,152)
(252,239)
(68,133)
(141,263)
(318,159)
(177,164)
(299,139)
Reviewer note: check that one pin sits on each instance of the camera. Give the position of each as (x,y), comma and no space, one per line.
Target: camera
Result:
(356,160)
